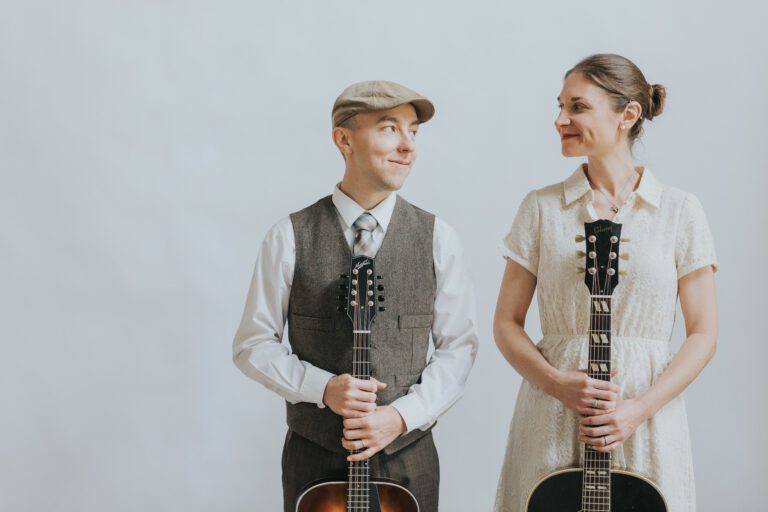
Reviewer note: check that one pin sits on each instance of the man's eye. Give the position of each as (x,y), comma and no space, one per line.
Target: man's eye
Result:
(389,128)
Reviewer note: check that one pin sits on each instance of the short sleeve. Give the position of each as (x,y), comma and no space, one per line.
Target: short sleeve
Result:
(694,247)
(521,244)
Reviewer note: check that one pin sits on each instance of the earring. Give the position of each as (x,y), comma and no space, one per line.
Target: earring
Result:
(623,126)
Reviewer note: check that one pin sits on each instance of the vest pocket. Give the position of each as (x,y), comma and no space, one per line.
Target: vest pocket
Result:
(406,380)
(419,326)
(311,323)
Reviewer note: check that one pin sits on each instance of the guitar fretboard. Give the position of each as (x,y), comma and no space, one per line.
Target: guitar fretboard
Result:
(596,484)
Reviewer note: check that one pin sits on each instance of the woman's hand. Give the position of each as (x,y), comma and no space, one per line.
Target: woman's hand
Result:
(606,431)
(585,395)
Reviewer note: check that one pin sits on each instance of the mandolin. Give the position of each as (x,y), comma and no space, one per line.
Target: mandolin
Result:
(359,493)
(596,487)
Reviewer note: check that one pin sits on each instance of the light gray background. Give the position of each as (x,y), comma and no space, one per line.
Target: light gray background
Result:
(146,148)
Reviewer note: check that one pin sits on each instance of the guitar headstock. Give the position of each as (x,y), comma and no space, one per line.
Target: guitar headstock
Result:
(361,287)
(603,239)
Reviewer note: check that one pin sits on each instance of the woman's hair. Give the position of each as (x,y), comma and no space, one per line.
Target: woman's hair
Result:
(624,82)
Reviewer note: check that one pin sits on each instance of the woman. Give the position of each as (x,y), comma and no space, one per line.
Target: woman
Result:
(640,417)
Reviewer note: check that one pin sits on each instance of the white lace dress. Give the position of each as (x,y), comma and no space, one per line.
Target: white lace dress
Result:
(668,238)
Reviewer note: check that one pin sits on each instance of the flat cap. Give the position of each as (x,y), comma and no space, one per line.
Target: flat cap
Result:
(378,95)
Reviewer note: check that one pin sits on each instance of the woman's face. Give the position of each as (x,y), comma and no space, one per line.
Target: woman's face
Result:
(587,124)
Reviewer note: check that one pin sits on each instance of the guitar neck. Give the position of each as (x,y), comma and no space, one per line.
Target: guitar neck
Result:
(596,485)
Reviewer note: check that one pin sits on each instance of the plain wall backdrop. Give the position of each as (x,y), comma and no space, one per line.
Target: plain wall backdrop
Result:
(146,147)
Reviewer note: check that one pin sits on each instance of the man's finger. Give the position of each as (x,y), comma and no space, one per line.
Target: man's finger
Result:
(353,434)
(362,396)
(367,454)
(366,385)
(379,385)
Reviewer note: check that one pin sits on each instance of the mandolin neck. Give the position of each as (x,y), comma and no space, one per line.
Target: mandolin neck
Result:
(359,479)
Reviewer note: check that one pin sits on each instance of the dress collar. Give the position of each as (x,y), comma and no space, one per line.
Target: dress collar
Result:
(577,185)
(350,210)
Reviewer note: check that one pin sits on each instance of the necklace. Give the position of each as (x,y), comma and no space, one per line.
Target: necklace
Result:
(614,207)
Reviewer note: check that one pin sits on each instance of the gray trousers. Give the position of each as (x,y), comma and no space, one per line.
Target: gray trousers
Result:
(415,467)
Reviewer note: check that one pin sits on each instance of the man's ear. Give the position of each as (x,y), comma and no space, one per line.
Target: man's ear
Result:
(342,139)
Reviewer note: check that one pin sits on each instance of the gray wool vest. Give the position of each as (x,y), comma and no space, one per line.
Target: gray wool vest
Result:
(321,335)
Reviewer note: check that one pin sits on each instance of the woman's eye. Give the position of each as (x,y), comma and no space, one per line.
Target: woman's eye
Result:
(389,128)
(577,107)
(413,133)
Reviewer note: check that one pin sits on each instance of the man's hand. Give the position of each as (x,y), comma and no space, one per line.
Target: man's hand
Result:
(350,397)
(372,433)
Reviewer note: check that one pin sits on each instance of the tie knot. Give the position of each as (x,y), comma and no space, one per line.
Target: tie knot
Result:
(365,222)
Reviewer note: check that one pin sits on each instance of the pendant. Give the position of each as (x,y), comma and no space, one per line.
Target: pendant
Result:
(614,209)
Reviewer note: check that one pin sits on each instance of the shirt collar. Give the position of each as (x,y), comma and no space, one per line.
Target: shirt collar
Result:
(350,210)
(577,185)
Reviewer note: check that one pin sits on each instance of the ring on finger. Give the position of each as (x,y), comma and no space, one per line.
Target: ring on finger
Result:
(594,403)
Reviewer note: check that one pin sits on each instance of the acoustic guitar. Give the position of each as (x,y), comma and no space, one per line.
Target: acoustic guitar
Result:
(596,487)
(360,492)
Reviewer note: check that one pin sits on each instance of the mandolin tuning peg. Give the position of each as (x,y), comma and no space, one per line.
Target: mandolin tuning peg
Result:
(624,256)
(581,254)
(622,272)
(580,238)
(625,240)
(581,270)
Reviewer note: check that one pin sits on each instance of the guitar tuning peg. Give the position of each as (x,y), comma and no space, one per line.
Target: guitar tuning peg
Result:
(624,256)
(625,240)
(581,254)
(580,238)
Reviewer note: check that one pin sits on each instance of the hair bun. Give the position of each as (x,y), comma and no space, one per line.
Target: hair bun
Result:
(658,95)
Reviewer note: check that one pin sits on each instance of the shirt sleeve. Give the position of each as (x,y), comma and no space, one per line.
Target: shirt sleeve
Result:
(521,244)
(694,247)
(257,348)
(454,335)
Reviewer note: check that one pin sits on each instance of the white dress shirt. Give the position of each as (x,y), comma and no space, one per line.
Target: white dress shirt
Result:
(259,353)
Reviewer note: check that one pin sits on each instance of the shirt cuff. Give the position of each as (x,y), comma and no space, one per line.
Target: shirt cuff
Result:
(412,412)
(313,387)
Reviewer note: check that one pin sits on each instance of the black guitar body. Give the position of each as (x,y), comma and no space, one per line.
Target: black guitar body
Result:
(561,492)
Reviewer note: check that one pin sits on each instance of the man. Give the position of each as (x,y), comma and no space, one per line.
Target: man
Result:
(329,412)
